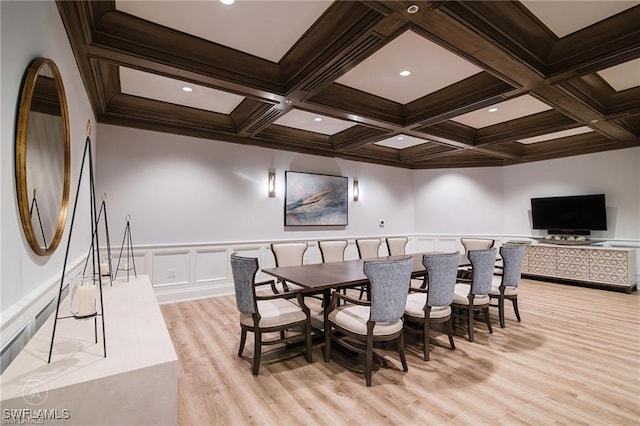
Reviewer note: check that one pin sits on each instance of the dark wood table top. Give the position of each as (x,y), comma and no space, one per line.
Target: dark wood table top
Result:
(321,276)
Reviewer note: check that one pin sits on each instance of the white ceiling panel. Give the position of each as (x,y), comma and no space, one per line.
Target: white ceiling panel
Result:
(624,76)
(507,110)
(566,17)
(432,68)
(152,86)
(401,142)
(261,28)
(303,120)
(556,135)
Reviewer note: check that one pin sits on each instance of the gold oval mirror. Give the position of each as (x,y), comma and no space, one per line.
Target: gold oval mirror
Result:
(43,156)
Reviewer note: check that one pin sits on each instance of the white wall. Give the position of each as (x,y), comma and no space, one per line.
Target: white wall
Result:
(614,173)
(27,282)
(182,190)
(459,201)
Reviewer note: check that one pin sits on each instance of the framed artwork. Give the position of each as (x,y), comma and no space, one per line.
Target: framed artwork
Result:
(314,199)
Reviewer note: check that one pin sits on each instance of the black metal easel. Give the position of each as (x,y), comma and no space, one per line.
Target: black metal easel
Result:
(130,262)
(103,209)
(86,156)
(34,203)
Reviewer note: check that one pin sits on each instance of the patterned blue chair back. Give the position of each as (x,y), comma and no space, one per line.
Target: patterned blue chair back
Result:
(482,264)
(512,256)
(442,270)
(244,271)
(389,281)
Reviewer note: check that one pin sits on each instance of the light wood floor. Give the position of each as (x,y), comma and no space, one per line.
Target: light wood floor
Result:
(574,359)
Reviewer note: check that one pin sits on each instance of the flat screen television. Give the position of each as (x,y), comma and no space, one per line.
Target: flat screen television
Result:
(570,214)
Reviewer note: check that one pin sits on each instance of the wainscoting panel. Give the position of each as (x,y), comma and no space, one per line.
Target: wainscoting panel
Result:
(171,268)
(211,265)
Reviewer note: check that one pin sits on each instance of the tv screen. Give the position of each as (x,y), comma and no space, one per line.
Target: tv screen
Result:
(577,212)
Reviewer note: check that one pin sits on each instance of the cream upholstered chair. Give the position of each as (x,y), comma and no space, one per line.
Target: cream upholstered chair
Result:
(368,247)
(474,244)
(266,314)
(474,296)
(505,286)
(432,305)
(332,250)
(396,246)
(288,254)
(366,322)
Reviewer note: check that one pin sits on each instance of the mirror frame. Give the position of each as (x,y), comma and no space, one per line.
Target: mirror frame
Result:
(22,127)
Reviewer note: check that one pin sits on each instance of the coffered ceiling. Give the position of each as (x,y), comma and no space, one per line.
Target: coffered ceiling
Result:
(490,83)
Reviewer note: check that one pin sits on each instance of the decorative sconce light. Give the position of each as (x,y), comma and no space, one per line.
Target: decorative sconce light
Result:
(356,190)
(272,183)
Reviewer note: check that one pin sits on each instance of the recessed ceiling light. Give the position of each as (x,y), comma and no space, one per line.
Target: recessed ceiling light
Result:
(227,2)
(318,119)
(493,109)
(187,89)
(413,9)
(405,73)
(400,138)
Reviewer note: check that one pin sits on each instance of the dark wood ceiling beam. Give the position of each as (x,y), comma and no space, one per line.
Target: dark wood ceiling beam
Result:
(346,34)
(564,99)
(144,42)
(452,131)
(77,18)
(252,116)
(495,51)
(623,104)
(150,110)
(573,145)
(472,93)
(357,136)
(355,105)
(419,153)
(529,126)
(599,46)
(506,25)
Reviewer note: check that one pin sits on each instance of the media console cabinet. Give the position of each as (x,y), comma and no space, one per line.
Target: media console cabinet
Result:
(613,268)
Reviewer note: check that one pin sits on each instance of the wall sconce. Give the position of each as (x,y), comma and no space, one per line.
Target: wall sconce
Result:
(356,190)
(272,183)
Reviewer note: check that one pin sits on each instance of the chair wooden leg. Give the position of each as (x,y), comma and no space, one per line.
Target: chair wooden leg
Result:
(307,329)
(515,307)
(243,340)
(501,311)
(257,352)
(450,331)
(327,343)
(470,323)
(425,338)
(403,358)
(487,319)
(369,361)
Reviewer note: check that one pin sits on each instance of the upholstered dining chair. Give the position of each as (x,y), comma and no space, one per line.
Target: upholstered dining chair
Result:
(266,314)
(396,246)
(288,254)
(368,248)
(359,324)
(505,286)
(432,305)
(473,295)
(332,250)
(475,244)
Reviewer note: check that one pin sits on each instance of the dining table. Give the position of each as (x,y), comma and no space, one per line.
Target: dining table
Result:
(322,278)
(326,277)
